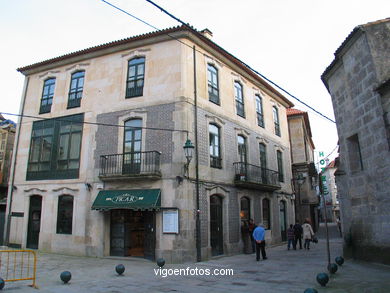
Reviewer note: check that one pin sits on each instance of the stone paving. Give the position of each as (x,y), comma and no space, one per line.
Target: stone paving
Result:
(283,271)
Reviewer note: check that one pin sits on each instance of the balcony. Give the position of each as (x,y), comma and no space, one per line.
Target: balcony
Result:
(255,177)
(127,166)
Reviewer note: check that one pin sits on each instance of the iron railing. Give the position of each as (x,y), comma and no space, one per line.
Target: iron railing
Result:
(247,173)
(130,164)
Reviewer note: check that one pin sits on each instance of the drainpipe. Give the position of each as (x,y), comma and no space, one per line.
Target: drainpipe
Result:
(198,239)
(13,165)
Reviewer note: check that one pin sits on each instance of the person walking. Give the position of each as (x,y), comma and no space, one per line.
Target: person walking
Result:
(259,236)
(252,227)
(307,234)
(298,234)
(291,238)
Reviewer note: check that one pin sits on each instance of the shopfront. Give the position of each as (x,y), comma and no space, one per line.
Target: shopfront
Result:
(132,220)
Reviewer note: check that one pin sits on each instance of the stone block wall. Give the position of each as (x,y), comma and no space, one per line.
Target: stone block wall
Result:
(364,189)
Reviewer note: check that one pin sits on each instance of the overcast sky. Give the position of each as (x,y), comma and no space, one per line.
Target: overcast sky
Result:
(290,42)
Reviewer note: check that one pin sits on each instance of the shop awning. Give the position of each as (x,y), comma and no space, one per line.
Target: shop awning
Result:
(134,199)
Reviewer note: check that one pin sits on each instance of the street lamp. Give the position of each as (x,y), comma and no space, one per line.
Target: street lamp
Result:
(188,152)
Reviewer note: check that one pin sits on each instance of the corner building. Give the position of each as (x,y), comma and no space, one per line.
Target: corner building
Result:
(102,170)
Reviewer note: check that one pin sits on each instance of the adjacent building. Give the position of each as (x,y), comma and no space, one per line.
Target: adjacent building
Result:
(305,176)
(102,170)
(7,136)
(332,199)
(358,81)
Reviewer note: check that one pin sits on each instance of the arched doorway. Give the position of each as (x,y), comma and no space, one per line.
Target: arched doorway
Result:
(283,220)
(216,228)
(34,221)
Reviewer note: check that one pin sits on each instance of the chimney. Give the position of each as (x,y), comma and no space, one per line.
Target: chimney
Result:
(207,33)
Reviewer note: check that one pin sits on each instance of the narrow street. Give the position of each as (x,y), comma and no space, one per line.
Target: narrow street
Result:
(283,271)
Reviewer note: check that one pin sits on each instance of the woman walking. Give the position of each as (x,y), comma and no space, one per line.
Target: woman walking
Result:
(307,234)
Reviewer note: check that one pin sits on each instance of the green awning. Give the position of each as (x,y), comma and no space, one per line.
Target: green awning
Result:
(134,199)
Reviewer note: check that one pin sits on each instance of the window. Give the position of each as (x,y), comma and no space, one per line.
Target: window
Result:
(239,99)
(263,155)
(215,150)
(47,95)
(280,166)
(132,146)
(276,120)
(263,162)
(55,148)
(354,153)
(245,209)
(212,77)
(135,77)
(259,111)
(241,141)
(76,89)
(266,213)
(65,214)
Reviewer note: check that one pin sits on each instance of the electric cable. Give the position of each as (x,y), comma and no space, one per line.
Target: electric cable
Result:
(246,65)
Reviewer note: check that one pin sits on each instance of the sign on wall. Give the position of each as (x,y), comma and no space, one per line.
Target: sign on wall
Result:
(171,221)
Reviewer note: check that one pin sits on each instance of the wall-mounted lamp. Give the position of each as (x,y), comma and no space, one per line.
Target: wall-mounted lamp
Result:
(188,152)
(88,186)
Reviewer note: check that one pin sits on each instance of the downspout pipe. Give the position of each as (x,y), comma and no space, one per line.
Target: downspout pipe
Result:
(198,235)
(13,165)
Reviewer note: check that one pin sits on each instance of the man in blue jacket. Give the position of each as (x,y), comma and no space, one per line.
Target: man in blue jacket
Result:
(259,236)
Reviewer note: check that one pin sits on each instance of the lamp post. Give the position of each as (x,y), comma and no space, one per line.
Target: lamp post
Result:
(300,181)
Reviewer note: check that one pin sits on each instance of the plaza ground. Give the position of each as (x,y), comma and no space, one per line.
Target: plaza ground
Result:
(283,271)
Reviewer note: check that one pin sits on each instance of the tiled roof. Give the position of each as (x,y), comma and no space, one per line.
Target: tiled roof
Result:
(291,112)
(167,31)
(357,29)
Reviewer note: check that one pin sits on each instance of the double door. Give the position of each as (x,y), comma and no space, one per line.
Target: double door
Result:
(133,233)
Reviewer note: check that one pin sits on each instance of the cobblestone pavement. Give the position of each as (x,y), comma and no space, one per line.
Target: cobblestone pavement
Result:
(283,271)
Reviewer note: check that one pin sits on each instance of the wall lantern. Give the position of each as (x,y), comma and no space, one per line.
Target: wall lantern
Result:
(188,152)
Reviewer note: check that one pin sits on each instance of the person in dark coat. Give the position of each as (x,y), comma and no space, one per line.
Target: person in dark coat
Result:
(291,238)
(298,231)
(252,227)
(245,236)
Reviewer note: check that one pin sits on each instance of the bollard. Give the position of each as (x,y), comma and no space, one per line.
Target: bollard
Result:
(2,283)
(120,269)
(322,279)
(339,260)
(65,276)
(160,262)
(310,290)
(332,268)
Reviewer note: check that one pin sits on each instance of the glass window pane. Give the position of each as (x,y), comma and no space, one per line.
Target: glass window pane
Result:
(128,135)
(63,148)
(141,69)
(35,146)
(132,71)
(137,146)
(73,84)
(137,134)
(81,83)
(75,146)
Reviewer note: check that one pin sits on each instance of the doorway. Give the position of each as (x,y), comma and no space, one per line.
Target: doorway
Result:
(34,222)
(133,233)
(216,228)
(283,220)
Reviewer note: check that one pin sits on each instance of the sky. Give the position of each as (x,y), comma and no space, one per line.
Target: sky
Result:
(289,42)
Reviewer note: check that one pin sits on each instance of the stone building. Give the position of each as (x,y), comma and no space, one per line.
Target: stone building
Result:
(305,176)
(333,202)
(358,82)
(102,170)
(7,136)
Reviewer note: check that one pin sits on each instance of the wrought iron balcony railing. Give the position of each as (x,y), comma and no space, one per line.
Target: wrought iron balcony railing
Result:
(136,164)
(255,176)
